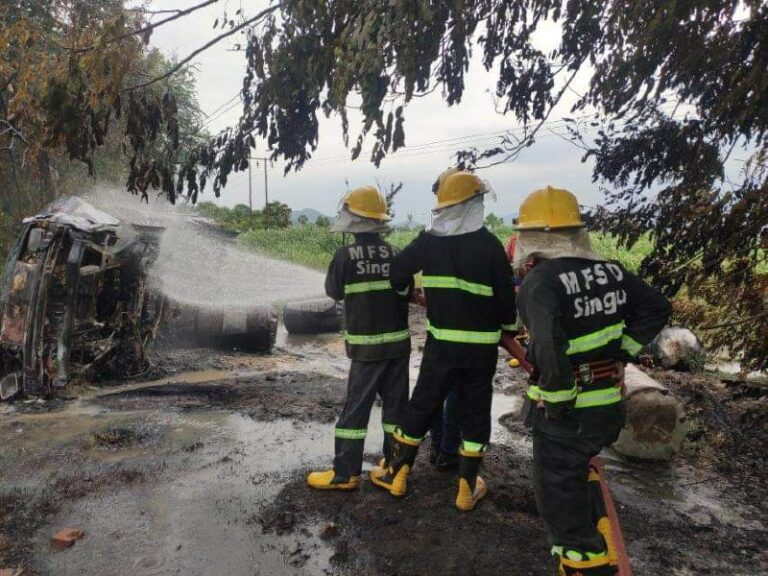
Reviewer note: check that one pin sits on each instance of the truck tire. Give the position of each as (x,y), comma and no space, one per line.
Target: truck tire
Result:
(248,329)
(313,316)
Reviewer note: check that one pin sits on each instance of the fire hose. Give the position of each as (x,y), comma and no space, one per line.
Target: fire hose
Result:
(606,518)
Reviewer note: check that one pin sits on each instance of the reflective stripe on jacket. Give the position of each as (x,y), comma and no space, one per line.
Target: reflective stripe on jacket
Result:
(579,311)
(470,296)
(375,315)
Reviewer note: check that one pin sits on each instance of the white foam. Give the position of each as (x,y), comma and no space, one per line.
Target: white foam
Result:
(201,268)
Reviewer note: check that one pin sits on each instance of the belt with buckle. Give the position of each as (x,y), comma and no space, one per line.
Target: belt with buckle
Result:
(599,370)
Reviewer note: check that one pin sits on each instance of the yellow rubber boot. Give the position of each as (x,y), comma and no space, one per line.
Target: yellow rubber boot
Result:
(395,482)
(328,480)
(394,478)
(578,564)
(467,499)
(472,487)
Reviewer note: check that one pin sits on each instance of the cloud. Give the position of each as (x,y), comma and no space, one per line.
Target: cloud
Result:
(434,132)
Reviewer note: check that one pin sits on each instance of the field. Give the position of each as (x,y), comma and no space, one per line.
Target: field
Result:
(314,246)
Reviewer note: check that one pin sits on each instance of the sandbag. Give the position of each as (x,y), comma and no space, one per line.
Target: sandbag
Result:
(655,426)
(677,348)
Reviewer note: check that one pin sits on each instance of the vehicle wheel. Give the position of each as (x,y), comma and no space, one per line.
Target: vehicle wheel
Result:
(313,316)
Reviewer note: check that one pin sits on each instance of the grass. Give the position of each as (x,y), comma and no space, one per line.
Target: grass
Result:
(314,246)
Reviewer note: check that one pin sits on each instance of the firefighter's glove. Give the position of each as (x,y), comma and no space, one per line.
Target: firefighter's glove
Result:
(419,297)
(555,411)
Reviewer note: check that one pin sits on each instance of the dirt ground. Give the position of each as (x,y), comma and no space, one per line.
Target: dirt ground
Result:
(200,467)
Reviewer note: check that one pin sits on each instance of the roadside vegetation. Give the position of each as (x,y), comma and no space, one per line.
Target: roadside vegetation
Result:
(312,245)
(79,79)
(68,121)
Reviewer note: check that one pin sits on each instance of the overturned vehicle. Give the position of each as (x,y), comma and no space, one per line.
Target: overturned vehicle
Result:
(74,301)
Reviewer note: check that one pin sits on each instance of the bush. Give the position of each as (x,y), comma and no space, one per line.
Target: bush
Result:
(314,245)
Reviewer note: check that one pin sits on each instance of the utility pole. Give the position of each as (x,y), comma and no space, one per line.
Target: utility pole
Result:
(250,189)
(266,188)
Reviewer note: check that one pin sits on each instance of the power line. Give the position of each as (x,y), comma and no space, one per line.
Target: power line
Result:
(222,105)
(450,144)
(214,117)
(442,145)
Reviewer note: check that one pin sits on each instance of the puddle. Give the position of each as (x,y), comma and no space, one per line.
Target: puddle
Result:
(507,404)
(212,470)
(203,520)
(192,377)
(674,487)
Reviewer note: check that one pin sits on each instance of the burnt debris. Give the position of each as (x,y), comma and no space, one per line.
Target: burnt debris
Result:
(74,300)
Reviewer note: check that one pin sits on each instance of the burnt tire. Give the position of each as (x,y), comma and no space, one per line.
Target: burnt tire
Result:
(313,316)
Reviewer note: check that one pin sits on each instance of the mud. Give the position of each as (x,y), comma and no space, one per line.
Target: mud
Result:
(424,533)
(295,395)
(198,468)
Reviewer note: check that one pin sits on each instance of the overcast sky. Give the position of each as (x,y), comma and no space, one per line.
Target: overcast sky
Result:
(432,130)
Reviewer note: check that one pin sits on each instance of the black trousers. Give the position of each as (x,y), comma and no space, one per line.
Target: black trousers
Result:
(444,431)
(388,379)
(560,476)
(474,392)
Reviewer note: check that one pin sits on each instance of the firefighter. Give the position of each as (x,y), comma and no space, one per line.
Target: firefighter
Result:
(470,300)
(444,434)
(376,334)
(585,318)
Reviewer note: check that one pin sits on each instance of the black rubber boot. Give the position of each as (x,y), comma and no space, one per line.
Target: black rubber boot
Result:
(388,445)
(472,487)
(395,478)
(447,462)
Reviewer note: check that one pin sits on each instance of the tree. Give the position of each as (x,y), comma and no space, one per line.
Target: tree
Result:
(303,220)
(705,57)
(58,103)
(493,222)
(323,221)
(278,215)
(390,190)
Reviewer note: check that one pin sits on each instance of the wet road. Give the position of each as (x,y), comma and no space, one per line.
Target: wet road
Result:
(173,476)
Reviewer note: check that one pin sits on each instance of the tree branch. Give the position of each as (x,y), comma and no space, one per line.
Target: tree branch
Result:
(177,14)
(528,139)
(181,63)
(146,11)
(734,322)
(11,128)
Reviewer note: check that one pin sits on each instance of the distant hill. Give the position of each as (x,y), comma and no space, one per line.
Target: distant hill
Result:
(310,213)
(509,218)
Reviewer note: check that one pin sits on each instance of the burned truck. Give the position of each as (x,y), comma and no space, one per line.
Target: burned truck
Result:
(74,300)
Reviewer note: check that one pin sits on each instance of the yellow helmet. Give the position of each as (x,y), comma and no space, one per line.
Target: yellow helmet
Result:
(459,187)
(367,202)
(443,175)
(549,208)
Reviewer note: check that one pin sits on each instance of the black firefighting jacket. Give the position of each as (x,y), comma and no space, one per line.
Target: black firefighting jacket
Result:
(579,311)
(470,297)
(375,316)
